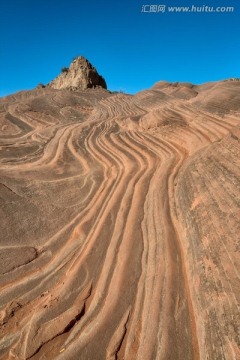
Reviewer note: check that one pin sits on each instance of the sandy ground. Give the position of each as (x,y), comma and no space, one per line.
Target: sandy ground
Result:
(120,224)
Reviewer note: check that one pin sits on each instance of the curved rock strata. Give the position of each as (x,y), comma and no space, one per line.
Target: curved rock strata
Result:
(120,223)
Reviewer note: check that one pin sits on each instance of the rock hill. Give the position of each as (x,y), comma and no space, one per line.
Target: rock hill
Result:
(120,222)
(81,75)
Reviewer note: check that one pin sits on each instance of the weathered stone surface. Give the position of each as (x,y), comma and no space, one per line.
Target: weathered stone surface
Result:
(81,75)
(120,222)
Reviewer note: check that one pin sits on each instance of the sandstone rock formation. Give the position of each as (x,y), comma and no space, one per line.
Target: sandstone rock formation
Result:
(81,75)
(120,222)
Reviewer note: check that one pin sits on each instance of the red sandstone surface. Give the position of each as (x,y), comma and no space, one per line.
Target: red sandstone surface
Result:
(120,223)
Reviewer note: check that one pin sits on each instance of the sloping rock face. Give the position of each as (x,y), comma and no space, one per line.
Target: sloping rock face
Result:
(81,75)
(120,222)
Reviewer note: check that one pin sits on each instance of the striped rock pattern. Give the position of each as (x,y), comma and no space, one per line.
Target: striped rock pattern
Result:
(120,223)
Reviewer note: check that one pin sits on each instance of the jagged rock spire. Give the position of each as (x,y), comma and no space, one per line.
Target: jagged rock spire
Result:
(80,75)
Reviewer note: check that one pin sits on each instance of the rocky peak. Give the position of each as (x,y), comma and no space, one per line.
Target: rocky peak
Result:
(81,75)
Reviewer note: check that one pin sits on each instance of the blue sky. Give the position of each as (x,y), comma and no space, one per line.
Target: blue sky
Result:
(131,49)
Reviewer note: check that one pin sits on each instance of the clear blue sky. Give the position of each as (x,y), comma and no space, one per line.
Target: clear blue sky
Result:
(131,49)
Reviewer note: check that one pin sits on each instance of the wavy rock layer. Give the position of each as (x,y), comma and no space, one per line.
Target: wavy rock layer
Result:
(120,223)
